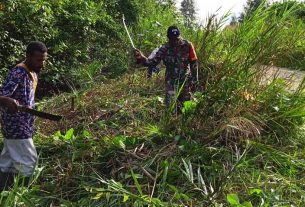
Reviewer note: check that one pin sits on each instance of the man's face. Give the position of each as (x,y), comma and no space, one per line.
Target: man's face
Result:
(174,41)
(37,60)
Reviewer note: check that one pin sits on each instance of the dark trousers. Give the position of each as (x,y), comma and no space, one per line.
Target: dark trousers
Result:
(7,180)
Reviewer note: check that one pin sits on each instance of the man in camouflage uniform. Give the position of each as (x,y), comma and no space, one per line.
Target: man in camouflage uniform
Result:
(181,64)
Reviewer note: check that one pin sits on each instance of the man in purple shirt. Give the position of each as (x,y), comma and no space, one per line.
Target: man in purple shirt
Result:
(19,155)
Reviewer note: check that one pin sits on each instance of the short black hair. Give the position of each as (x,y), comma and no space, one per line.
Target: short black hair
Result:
(36,46)
(173,31)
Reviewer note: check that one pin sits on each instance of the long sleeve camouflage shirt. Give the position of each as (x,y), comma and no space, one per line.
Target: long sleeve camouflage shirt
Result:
(180,62)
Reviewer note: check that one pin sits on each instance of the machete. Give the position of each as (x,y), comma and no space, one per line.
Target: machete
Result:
(130,39)
(40,113)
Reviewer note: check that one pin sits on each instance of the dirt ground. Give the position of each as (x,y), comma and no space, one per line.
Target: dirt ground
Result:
(292,77)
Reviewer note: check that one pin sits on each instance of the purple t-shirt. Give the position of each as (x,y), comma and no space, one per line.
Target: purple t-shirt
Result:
(18,85)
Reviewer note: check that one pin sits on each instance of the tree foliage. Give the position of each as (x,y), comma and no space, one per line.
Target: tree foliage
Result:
(188,11)
(75,32)
(250,7)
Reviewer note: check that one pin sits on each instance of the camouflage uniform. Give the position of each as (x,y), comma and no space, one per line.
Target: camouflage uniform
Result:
(181,70)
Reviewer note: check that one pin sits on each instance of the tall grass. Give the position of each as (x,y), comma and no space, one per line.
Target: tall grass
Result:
(236,100)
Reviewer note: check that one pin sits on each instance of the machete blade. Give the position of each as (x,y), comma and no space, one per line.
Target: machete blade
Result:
(40,114)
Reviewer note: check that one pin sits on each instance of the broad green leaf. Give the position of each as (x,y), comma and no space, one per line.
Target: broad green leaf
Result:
(189,107)
(119,141)
(233,199)
(86,133)
(255,191)
(57,135)
(126,197)
(69,134)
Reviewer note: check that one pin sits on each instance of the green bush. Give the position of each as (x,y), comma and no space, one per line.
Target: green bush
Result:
(76,32)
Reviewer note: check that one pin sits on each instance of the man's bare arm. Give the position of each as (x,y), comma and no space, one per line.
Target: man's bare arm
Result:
(12,104)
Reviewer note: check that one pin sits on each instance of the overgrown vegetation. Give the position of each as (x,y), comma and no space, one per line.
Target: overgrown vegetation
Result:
(292,55)
(238,142)
(76,33)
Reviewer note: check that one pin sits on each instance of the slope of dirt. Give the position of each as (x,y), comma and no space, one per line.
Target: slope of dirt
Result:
(293,77)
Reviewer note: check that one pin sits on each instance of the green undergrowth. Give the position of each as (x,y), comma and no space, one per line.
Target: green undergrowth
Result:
(238,142)
(118,147)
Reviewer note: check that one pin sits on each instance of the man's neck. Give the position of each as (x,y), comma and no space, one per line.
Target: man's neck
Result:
(27,64)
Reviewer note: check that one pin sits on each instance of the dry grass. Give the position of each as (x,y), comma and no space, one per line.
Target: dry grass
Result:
(121,99)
